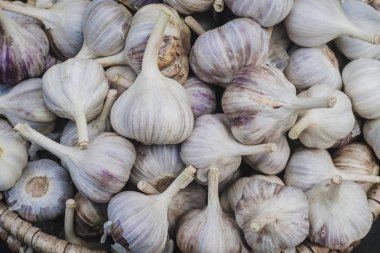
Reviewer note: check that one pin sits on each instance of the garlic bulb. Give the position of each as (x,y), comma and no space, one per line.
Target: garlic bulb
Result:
(311,66)
(173,49)
(354,135)
(218,55)
(211,144)
(190,6)
(271,163)
(137,4)
(209,229)
(120,78)
(101,124)
(360,78)
(89,217)
(105,28)
(13,155)
(154,102)
(202,97)
(265,12)
(76,89)
(313,23)
(231,196)
(25,103)
(65,30)
(98,172)
(308,167)
(367,18)
(45,3)
(329,226)
(357,158)
(41,191)
(140,221)
(318,128)
(261,104)
(273,217)
(20,61)
(371,134)
(158,165)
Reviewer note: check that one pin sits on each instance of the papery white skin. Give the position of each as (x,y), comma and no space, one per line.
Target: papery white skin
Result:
(76,89)
(323,127)
(40,201)
(371,133)
(105,28)
(209,229)
(202,97)
(231,196)
(98,172)
(311,66)
(273,217)
(18,61)
(50,61)
(137,4)
(313,23)
(65,30)
(278,57)
(190,6)
(357,158)
(366,17)
(211,144)
(361,83)
(271,163)
(265,12)
(24,103)
(34,148)
(120,78)
(45,3)
(13,153)
(140,221)
(308,167)
(332,227)
(155,109)
(218,54)
(354,135)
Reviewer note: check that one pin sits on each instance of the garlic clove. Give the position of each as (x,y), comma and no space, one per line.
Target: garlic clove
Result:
(120,78)
(273,217)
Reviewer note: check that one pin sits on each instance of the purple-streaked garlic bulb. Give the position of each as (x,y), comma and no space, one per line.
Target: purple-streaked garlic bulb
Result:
(261,104)
(211,144)
(99,171)
(202,97)
(209,229)
(308,167)
(139,222)
(338,213)
(41,192)
(273,217)
(120,78)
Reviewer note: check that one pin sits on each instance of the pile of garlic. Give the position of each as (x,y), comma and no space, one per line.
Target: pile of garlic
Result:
(192,126)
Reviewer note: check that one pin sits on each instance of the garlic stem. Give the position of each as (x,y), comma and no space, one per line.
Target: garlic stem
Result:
(116,59)
(121,81)
(299,127)
(147,188)
(355,32)
(53,147)
(243,150)
(334,189)
(86,52)
(183,180)
(358,177)
(259,222)
(213,203)
(69,224)
(101,120)
(81,124)
(218,5)
(150,58)
(315,102)
(194,25)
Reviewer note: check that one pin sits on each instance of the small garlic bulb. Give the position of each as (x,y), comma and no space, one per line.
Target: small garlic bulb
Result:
(120,78)
(311,66)
(139,222)
(14,155)
(231,196)
(190,6)
(211,144)
(41,192)
(76,89)
(202,97)
(357,158)
(273,217)
(261,104)
(308,167)
(271,163)
(322,128)
(360,78)
(371,134)
(313,23)
(265,12)
(158,165)
(338,213)
(209,229)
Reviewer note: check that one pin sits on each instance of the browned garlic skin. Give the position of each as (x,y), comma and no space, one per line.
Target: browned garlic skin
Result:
(219,54)
(273,217)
